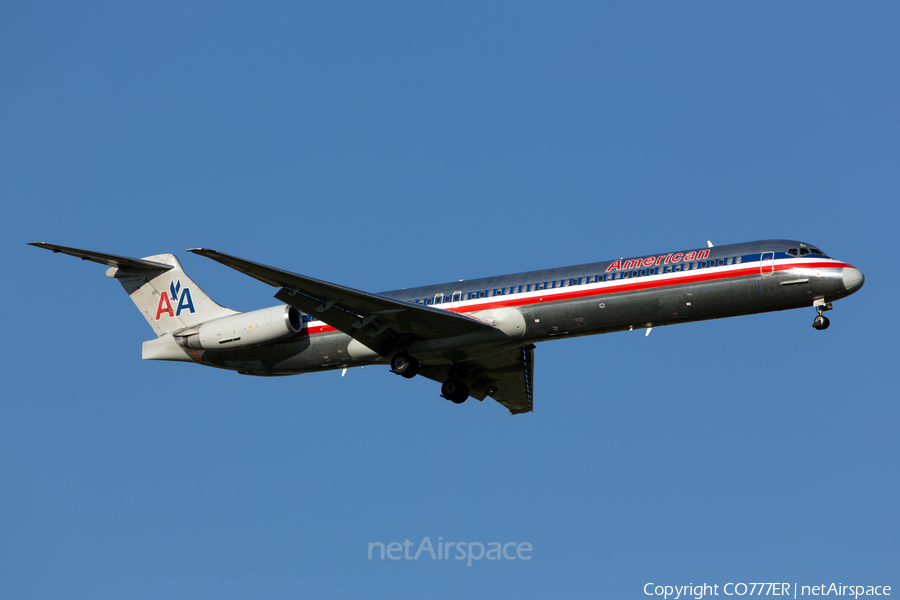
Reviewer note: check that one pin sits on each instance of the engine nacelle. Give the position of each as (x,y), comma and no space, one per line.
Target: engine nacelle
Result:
(253,328)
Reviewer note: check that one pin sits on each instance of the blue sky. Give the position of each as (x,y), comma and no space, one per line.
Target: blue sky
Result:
(393,145)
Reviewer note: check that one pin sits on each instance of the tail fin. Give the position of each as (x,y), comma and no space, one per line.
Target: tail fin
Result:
(158,286)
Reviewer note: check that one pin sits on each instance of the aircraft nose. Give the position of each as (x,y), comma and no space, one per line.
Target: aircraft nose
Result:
(853,279)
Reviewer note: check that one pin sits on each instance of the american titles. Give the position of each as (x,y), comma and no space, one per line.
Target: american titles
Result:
(650,261)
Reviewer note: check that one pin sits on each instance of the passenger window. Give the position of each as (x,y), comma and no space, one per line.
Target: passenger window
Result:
(737,260)
(728,262)
(695,265)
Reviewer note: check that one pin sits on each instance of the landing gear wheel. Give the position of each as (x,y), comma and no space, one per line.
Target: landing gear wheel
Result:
(405,365)
(821,322)
(455,391)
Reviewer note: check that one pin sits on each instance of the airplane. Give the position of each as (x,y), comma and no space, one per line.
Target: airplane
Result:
(476,338)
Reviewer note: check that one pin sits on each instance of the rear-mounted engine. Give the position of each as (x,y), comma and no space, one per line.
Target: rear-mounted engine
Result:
(255,328)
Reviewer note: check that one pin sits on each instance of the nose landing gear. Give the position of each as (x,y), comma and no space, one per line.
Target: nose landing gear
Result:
(821,321)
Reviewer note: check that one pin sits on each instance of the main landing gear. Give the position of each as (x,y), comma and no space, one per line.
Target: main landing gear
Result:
(821,321)
(455,391)
(405,365)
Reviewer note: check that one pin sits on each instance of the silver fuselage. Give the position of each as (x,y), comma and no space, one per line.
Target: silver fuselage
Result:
(604,297)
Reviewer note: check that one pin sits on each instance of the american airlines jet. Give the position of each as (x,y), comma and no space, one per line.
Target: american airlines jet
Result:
(476,338)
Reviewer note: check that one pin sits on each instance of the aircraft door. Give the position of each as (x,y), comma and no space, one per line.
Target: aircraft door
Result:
(457,296)
(767,263)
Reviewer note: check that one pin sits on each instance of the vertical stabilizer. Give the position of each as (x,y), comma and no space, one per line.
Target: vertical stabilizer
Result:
(169,300)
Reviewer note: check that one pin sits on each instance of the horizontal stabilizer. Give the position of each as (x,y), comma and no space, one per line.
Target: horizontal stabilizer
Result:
(159,288)
(111,260)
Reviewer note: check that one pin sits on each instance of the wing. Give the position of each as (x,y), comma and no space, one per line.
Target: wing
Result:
(507,377)
(376,321)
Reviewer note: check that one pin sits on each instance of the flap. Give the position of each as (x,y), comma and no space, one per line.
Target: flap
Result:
(507,377)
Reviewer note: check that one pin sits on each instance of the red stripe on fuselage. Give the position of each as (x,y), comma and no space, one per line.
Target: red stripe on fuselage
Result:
(708,274)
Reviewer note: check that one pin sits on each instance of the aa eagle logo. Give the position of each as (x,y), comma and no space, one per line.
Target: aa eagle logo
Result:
(181,298)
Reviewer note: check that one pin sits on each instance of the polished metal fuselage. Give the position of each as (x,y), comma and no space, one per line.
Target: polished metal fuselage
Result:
(655,290)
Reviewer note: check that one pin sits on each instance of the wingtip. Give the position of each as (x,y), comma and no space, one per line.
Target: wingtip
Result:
(44,245)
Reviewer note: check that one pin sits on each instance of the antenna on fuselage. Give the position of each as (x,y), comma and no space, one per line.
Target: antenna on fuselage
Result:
(709,243)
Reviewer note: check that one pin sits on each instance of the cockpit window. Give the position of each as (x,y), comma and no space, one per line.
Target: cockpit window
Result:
(817,251)
(792,251)
(804,251)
